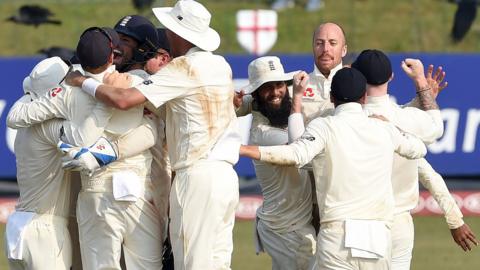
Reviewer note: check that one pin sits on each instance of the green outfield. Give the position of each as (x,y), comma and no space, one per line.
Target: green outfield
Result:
(434,247)
(392,26)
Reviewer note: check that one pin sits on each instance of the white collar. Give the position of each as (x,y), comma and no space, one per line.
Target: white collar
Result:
(320,75)
(99,77)
(378,99)
(350,107)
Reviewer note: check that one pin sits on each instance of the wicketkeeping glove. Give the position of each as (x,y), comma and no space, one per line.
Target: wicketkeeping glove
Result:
(80,158)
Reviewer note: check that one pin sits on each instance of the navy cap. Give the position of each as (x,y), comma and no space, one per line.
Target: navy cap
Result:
(162,40)
(348,85)
(374,65)
(96,46)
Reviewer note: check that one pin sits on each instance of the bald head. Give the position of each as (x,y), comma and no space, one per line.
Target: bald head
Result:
(329,47)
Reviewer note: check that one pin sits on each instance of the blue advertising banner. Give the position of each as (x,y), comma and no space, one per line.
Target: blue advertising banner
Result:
(457,153)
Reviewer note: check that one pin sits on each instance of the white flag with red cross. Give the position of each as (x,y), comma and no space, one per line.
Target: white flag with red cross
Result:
(257,30)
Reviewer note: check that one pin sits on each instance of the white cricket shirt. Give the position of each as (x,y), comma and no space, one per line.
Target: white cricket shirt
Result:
(197,91)
(426,125)
(40,177)
(353,177)
(287,192)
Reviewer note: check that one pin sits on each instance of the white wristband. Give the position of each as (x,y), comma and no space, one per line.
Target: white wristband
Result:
(90,86)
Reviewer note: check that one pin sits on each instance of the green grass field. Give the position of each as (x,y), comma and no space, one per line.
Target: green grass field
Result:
(392,26)
(434,247)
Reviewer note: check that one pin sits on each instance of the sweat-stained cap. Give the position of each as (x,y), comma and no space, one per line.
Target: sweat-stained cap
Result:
(95,46)
(374,65)
(348,85)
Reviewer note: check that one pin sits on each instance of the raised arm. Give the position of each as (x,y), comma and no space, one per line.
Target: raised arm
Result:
(296,125)
(427,88)
(414,69)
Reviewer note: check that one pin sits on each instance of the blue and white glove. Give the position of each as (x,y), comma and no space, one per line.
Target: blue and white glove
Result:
(100,154)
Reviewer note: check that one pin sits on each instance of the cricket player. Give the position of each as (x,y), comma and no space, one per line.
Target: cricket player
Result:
(284,221)
(355,223)
(36,234)
(119,194)
(428,126)
(329,47)
(202,135)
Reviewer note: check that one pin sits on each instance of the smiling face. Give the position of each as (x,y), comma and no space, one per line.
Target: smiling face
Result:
(127,45)
(272,93)
(328,47)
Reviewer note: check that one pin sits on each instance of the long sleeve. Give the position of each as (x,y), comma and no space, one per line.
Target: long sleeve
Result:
(246,106)
(302,151)
(426,125)
(429,124)
(435,184)
(296,126)
(407,145)
(25,114)
(88,132)
(129,145)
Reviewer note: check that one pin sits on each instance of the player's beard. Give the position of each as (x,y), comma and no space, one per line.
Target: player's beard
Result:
(278,117)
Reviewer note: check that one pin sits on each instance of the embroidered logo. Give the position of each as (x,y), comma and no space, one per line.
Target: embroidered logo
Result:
(308,92)
(101,147)
(271,65)
(179,17)
(55,91)
(147,82)
(125,20)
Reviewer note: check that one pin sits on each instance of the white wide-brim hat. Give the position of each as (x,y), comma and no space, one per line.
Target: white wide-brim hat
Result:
(46,75)
(266,69)
(191,21)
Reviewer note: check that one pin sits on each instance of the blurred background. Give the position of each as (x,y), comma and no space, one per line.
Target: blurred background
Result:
(439,32)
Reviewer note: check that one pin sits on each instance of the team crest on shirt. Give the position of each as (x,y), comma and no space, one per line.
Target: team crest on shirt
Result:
(55,91)
(147,82)
(309,93)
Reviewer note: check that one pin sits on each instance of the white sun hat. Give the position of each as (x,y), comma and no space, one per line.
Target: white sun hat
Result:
(191,21)
(265,69)
(44,76)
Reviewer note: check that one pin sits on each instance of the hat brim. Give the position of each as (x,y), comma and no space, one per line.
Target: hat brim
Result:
(249,89)
(208,41)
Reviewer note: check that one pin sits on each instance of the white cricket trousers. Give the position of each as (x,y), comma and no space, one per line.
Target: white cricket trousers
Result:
(332,254)
(106,225)
(46,246)
(402,241)
(203,201)
(294,250)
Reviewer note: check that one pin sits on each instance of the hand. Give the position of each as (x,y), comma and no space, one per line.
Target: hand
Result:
(414,69)
(300,81)
(74,78)
(462,235)
(238,99)
(435,81)
(99,154)
(120,80)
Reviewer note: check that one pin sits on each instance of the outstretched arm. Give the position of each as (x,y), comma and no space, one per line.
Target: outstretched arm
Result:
(121,98)
(431,180)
